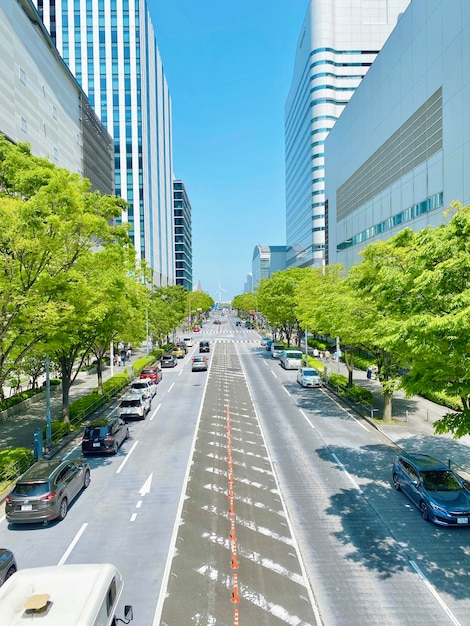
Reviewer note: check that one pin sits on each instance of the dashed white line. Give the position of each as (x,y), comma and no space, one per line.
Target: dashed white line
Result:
(121,467)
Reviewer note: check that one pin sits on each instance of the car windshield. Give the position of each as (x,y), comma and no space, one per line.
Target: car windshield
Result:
(142,385)
(440,480)
(31,489)
(310,373)
(293,355)
(148,372)
(167,357)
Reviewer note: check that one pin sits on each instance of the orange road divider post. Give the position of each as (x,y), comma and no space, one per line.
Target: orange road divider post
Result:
(235,597)
(235,618)
(234,556)
(232,531)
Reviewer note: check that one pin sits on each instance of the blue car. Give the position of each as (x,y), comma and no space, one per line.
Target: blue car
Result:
(438,492)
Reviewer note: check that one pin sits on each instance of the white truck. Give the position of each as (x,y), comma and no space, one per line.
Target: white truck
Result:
(63,595)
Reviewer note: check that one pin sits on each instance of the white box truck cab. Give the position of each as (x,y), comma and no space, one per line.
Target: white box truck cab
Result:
(63,595)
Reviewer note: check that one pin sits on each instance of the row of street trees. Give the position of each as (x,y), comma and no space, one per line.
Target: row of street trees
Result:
(69,281)
(407,303)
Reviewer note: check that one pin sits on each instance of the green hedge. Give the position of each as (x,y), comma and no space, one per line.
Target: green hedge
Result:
(13,462)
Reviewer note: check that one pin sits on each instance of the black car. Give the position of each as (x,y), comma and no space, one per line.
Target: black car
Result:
(204,346)
(7,565)
(104,436)
(46,490)
(168,360)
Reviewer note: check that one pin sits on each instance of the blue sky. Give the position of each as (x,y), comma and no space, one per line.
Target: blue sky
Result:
(229,69)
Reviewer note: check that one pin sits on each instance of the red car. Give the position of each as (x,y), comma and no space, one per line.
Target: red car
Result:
(196,329)
(154,373)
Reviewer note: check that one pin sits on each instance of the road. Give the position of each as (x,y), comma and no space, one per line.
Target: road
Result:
(243,496)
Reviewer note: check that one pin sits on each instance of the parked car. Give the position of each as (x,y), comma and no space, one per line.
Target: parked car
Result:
(249,325)
(196,329)
(178,351)
(46,490)
(204,346)
(199,364)
(168,360)
(133,405)
(269,344)
(152,373)
(264,340)
(309,377)
(437,491)
(146,386)
(277,349)
(104,436)
(188,341)
(7,565)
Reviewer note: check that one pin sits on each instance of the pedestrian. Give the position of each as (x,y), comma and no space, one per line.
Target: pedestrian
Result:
(315,353)
(123,358)
(128,355)
(327,356)
(118,358)
(369,372)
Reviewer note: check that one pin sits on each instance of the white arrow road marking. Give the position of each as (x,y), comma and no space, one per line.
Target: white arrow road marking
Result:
(146,486)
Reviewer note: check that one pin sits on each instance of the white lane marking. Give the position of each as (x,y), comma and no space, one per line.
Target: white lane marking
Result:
(257,558)
(73,544)
(146,486)
(273,374)
(133,517)
(250,595)
(346,472)
(172,543)
(156,411)
(121,467)
(138,504)
(311,595)
(446,609)
(171,387)
(286,390)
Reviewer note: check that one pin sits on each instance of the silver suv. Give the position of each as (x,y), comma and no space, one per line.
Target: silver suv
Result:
(133,405)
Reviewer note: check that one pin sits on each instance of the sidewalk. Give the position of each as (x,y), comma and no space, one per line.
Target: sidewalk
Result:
(412,426)
(18,430)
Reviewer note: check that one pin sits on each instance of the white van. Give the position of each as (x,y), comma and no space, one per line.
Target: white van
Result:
(277,349)
(69,595)
(291,359)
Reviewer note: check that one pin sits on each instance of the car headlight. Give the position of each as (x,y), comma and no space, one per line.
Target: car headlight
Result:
(435,507)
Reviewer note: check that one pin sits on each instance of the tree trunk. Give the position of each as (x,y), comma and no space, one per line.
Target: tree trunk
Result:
(387,414)
(66,383)
(99,373)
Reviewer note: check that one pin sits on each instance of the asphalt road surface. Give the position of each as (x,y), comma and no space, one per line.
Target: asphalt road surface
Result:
(243,498)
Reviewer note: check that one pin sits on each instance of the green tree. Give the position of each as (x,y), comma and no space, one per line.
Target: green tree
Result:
(49,220)
(277,298)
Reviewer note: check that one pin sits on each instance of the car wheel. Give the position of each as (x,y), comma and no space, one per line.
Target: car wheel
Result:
(63,509)
(87,479)
(396,482)
(10,572)
(424,511)
(115,447)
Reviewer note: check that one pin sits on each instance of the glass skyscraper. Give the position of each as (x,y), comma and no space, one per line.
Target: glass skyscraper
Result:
(338,42)
(110,47)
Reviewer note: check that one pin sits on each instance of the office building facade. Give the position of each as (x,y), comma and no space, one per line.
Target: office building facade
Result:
(339,41)
(266,261)
(183,236)
(110,48)
(398,156)
(42,104)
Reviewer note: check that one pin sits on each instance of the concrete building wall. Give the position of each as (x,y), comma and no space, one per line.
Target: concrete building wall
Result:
(399,154)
